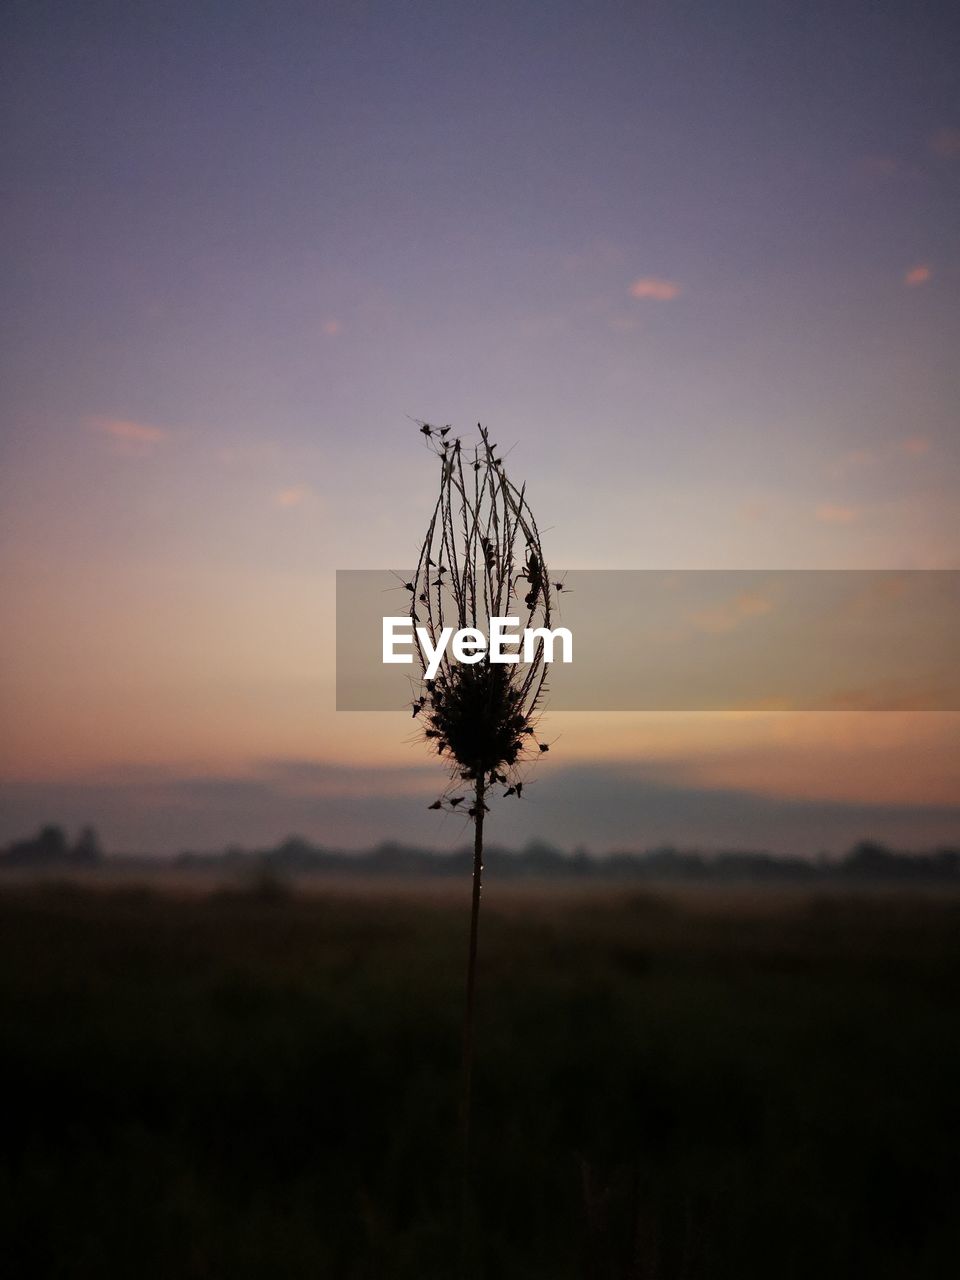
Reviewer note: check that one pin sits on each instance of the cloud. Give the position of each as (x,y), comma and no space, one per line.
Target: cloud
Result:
(830,513)
(945,143)
(733,613)
(918,275)
(915,446)
(331,328)
(128,436)
(604,806)
(306,779)
(655,288)
(293,496)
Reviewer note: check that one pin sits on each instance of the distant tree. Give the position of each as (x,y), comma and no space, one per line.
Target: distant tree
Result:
(295,851)
(49,846)
(52,844)
(87,850)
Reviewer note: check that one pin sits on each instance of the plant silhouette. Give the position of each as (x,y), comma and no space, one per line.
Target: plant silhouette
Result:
(481,557)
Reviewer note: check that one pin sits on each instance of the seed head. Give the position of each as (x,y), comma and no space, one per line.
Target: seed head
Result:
(484,544)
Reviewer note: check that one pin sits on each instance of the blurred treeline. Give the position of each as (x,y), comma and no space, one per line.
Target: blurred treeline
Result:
(868,861)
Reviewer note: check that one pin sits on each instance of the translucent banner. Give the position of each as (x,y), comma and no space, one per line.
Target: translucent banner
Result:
(699,640)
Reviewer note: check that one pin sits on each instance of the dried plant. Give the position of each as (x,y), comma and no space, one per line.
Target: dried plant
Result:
(481,558)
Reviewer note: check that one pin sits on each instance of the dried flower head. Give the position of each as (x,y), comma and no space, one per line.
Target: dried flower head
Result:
(481,558)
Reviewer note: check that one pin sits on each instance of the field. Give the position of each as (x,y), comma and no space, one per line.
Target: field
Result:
(256,1081)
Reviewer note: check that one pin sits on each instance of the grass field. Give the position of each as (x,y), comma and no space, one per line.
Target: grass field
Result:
(260,1083)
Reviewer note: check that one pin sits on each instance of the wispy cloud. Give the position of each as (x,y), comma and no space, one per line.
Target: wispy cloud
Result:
(293,496)
(915,446)
(127,436)
(831,513)
(918,275)
(654,287)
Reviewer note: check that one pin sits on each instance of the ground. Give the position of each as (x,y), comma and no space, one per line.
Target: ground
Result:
(261,1081)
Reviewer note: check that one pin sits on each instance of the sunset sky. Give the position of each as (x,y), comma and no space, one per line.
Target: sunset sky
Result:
(696,266)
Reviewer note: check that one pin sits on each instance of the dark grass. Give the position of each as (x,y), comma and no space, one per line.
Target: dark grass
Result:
(255,1084)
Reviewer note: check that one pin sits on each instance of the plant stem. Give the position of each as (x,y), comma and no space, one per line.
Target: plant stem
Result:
(467,1062)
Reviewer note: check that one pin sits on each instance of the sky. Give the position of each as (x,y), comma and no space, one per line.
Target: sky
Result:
(696,266)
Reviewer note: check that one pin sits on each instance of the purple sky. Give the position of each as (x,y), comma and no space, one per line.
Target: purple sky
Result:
(697,265)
